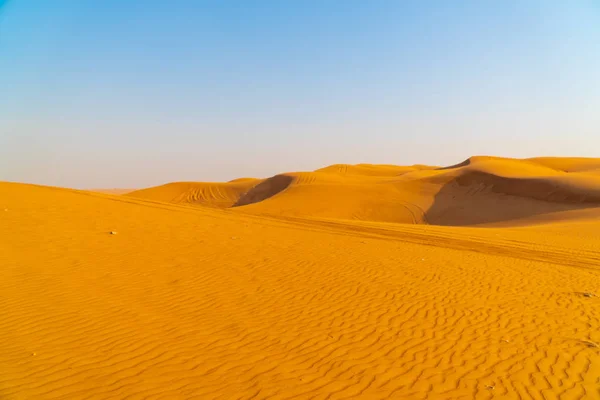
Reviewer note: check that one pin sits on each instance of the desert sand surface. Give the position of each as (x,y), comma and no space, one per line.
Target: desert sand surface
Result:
(474,281)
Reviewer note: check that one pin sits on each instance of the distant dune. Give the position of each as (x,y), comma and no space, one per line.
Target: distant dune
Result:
(342,283)
(112,191)
(220,195)
(479,190)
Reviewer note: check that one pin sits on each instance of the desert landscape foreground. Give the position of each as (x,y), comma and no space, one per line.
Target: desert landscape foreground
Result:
(478,280)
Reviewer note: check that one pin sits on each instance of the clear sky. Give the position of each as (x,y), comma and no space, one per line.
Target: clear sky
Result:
(118,93)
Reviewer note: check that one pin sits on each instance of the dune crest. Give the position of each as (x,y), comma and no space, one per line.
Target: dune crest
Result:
(113,191)
(371,169)
(571,164)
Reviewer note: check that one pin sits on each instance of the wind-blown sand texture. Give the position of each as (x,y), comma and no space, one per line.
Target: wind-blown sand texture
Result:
(351,282)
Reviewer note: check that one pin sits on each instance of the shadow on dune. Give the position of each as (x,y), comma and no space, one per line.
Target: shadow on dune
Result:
(477,197)
(459,165)
(264,190)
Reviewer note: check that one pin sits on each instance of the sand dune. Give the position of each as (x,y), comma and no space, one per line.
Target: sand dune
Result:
(574,164)
(112,191)
(480,190)
(333,284)
(219,195)
(371,169)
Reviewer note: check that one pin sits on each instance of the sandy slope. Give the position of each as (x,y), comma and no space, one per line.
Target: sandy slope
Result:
(189,302)
(221,195)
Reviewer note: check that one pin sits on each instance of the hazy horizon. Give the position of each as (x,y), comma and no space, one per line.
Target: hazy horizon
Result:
(114,95)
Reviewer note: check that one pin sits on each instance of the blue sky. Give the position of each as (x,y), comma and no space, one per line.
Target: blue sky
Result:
(132,94)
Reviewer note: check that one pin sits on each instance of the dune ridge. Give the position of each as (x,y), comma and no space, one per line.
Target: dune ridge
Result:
(113,191)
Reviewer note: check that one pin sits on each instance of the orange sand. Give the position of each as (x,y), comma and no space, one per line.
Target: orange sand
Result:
(350,282)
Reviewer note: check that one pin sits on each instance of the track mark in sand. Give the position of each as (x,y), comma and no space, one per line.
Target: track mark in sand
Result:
(485,244)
